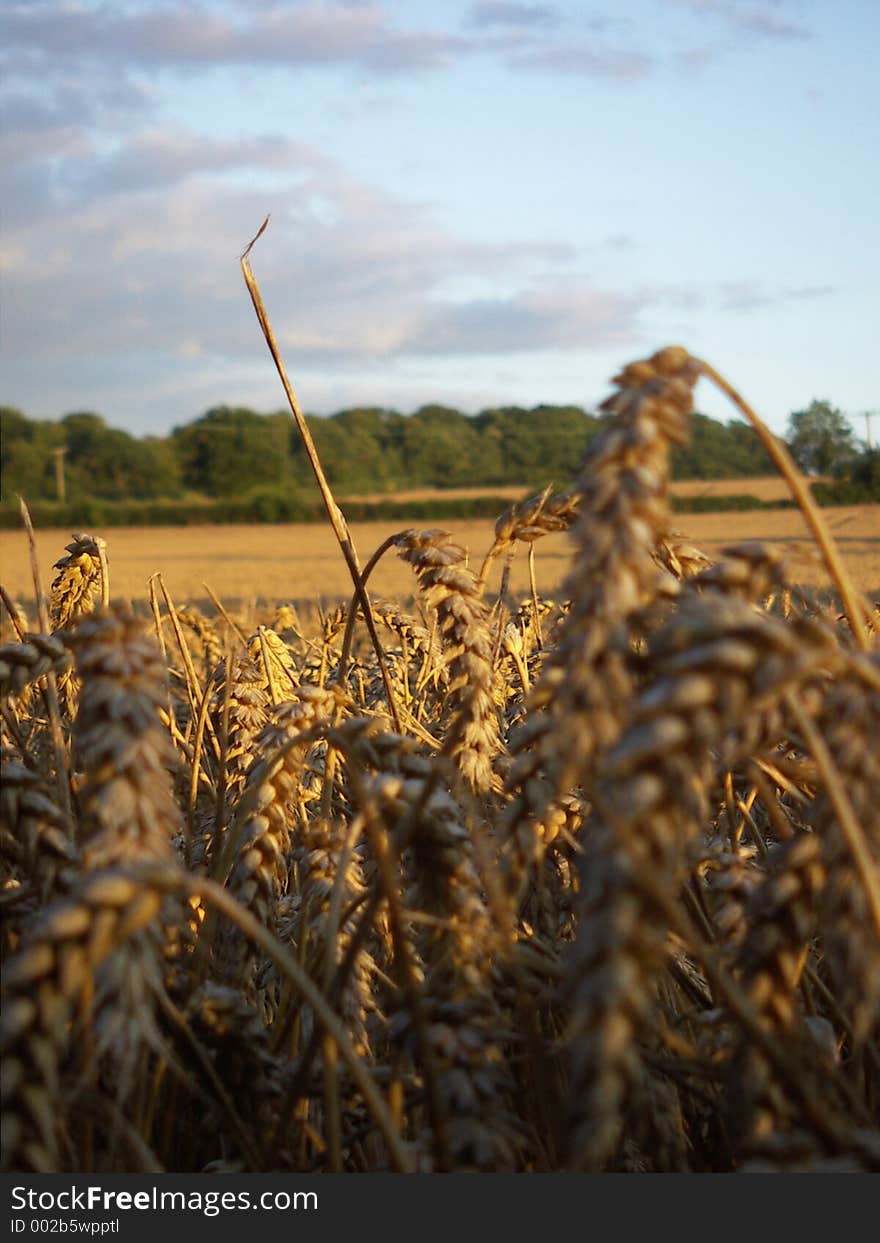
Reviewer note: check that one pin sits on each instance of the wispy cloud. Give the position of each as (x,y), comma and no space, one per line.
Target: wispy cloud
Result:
(590,59)
(199,35)
(489,15)
(40,37)
(553,317)
(767,19)
(147,261)
(751,295)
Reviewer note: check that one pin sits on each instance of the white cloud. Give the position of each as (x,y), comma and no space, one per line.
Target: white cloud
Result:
(548,317)
(147,260)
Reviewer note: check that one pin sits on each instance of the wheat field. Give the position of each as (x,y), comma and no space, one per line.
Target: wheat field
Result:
(575,867)
(251,565)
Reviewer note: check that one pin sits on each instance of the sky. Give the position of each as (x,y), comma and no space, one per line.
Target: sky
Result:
(471,203)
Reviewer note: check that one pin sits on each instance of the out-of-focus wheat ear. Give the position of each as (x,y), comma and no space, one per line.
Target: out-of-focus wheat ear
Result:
(46,986)
(849,722)
(225,1023)
(331,877)
(452,590)
(576,707)
(715,662)
(37,837)
(22,664)
(128,813)
(616,953)
(656,1136)
(206,632)
(751,570)
(548,906)
(50,695)
(684,560)
(455,1029)
(287,621)
(781,918)
(29,677)
(120,744)
(17,617)
(729,873)
(258,841)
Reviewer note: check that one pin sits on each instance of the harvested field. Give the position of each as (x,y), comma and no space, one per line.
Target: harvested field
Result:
(303,563)
(765,488)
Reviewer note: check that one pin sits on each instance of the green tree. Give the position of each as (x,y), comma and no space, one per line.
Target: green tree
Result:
(718,450)
(106,462)
(363,451)
(534,447)
(820,438)
(232,451)
(27,467)
(441,449)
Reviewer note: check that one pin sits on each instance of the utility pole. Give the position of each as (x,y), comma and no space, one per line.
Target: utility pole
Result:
(59,473)
(869,439)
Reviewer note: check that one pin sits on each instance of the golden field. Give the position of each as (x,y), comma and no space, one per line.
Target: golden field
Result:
(592,889)
(765,488)
(302,563)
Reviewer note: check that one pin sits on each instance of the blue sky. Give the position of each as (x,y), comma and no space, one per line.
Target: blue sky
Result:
(473,203)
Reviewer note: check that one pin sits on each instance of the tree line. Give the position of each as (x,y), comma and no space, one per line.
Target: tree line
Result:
(235,452)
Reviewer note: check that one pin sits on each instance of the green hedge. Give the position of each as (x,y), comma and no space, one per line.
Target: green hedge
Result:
(263,507)
(277,507)
(736,503)
(846,492)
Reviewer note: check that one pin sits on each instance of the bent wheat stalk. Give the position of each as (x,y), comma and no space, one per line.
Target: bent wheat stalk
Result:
(334,513)
(859,615)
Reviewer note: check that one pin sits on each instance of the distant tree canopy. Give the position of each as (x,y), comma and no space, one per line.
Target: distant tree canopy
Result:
(234,452)
(720,451)
(99,461)
(106,462)
(230,451)
(820,438)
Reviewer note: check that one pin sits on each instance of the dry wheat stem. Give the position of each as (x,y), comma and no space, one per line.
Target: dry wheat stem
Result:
(866,868)
(290,968)
(855,607)
(334,513)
